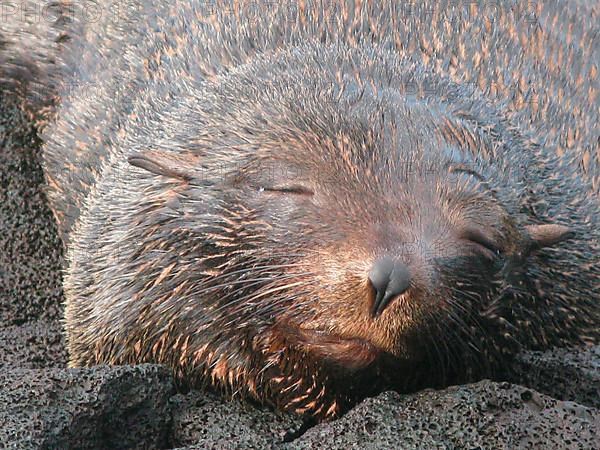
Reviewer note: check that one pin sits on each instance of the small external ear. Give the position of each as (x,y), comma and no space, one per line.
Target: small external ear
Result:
(547,235)
(167,164)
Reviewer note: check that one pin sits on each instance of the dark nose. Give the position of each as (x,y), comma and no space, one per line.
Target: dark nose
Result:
(389,279)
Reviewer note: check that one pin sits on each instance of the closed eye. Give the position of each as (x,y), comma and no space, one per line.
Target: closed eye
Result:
(488,247)
(292,189)
(466,170)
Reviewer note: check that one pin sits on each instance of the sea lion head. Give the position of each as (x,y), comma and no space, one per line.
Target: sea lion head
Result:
(345,228)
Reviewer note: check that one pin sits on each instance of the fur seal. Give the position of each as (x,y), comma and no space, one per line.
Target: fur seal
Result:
(326,199)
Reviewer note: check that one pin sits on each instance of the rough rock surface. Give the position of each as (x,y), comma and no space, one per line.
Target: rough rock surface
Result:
(204,421)
(562,374)
(30,251)
(101,407)
(482,415)
(33,345)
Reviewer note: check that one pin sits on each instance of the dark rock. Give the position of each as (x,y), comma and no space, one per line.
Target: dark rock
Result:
(102,407)
(33,345)
(30,251)
(565,374)
(481,415)
(203,420)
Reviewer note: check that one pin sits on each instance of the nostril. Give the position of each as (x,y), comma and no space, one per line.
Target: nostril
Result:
(389,279)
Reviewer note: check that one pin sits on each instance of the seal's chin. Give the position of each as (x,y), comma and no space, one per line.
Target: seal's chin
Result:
(347,353)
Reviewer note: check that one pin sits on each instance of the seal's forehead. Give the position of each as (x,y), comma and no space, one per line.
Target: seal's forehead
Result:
(336,164)
(379,136)
(387,148)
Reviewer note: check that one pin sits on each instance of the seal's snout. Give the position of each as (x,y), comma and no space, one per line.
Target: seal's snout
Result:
(389,278)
